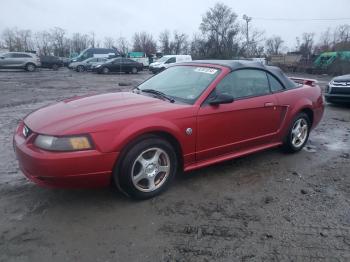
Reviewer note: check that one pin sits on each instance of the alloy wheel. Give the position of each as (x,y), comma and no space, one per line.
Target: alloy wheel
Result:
(150,169)
(299,132)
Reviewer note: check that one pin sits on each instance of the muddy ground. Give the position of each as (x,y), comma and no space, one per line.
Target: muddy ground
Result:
(269,206)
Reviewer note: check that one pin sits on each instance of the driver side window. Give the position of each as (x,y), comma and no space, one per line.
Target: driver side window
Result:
(244,83)
(8,55)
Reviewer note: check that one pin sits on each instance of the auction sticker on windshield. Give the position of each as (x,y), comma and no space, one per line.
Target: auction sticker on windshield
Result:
(206,70)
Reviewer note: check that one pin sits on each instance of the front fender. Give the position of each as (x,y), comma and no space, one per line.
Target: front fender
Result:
(136,129)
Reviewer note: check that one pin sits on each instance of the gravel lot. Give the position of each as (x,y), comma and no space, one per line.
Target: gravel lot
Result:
(266,207)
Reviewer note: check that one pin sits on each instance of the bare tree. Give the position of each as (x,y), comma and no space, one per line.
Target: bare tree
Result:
(79,42)
(108,42)
(306,44)
(164,39)
(342,38)
(144,42)
(326,43)
(43,43)
(180,43)
(18,40)
(254,48)
(8,36)
(274,45)
(220,29)
(59,42)
(343,33)
(92,39)
(199,46)
(122,45)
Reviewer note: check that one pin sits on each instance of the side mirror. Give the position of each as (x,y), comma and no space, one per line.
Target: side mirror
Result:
(221,99)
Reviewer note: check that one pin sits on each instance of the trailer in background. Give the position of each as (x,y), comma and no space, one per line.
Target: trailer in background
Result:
(289,62)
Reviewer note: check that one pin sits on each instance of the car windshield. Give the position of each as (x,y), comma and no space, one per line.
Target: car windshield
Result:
(183,83)
(163,59)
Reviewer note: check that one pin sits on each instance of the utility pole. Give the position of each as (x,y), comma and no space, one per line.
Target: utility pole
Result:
(247,20)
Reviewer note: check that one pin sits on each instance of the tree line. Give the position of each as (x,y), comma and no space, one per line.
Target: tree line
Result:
(221,35)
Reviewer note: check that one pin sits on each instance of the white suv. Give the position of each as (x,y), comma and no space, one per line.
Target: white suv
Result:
(19,60)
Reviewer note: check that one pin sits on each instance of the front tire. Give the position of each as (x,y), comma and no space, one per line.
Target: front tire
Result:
(148,168)
(30,67)
(80,69)
(298,134)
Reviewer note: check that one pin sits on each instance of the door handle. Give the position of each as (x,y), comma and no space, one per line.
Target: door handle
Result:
(269,104)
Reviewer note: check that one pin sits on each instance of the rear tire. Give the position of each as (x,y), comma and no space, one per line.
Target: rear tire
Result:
(147,168)
(105,70)
(30,67)
(298,134)
(134,70)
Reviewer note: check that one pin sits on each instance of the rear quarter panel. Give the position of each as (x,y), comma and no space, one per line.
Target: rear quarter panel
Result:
(298,99)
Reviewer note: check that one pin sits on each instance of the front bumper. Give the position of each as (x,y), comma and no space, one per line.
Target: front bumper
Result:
(96,69)
(81,169)
(155,70)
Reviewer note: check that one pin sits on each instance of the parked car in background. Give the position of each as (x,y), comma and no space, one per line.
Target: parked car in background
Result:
(168,60)
(119,64)
(338,90)
(19,60)
(190,116)
(52,62)
(96,52)
(87,64)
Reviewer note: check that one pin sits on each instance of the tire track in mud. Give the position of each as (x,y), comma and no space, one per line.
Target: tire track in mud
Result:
(231,229)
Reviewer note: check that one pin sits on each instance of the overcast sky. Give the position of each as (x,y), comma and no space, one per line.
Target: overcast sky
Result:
(123,18)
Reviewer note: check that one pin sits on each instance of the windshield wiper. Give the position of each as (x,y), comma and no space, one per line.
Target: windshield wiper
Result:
(159,94)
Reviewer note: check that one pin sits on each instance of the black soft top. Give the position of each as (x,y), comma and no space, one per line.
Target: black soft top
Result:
(241,64)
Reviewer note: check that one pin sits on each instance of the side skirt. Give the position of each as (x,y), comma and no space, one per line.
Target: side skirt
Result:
(225,157)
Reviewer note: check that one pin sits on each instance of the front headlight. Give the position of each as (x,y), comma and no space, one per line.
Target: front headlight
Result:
(98,66)
(65,143)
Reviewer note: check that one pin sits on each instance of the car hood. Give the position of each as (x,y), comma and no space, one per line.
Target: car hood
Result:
(94,113)
(344,78)
(156,64)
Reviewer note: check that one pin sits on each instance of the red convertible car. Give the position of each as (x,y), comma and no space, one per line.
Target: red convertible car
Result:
(190,116)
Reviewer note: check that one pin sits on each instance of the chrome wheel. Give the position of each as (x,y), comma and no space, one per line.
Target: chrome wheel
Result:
(299,132)
(150,170)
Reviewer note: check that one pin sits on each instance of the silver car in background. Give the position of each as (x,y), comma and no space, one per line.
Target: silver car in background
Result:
(87,64)
(19,60)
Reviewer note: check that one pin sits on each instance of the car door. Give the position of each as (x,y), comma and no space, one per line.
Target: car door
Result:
(127,65)
(7,60)
(250,121)
(117,65)
(20,59)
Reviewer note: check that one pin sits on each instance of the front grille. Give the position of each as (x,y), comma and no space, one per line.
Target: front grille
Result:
(340,90)
(341,83)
